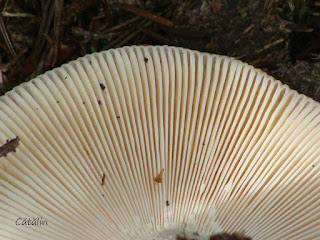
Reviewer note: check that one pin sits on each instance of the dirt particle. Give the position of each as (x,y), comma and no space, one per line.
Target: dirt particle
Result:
(103,179)
(99,102)
(58,102)
(118,117)
(83,103)
(146,60)
(102,86)
(167,203)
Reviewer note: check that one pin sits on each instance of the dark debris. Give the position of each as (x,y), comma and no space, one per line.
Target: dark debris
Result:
(281,37)
(220,236)
(103,179)
(102,86)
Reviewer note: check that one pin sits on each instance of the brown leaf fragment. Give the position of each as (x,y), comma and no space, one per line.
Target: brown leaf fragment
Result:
(158,178)
(9,146)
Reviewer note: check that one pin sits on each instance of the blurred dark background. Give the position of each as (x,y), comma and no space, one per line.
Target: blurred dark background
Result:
(282,37)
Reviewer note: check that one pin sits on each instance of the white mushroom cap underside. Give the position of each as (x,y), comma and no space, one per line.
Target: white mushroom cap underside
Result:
(239,150)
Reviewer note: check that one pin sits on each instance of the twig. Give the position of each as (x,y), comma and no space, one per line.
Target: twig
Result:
(119,26)
(5,5)
(47,17)
(123,38)
(271,44)
(41,63)
(23,15)
(184,32)
(157,36)
(83,50)
(57,18)
(6,37)
(146,14)
(90,35)
(127,39)
(248,28)
(1,73)
(315,56)
(127,36)
(241,56)
(5,67)
(141,39)
(78,31)
(255,62)
(8,41)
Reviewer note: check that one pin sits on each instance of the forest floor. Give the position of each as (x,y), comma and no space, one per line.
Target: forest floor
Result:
(282,37)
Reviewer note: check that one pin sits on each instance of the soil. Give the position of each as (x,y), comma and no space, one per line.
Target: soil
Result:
(282,37)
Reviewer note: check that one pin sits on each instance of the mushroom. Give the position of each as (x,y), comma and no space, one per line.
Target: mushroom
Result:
(116,147)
